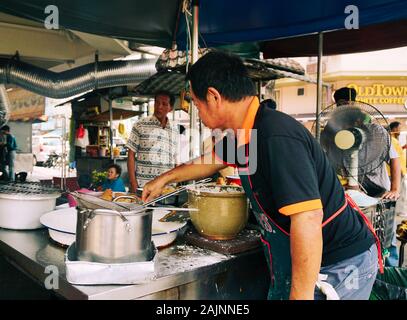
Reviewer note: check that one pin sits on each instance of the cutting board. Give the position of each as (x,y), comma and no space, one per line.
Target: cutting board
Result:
(247,239)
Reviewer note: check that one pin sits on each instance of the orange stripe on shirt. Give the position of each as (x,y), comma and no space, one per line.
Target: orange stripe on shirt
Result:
(301,207)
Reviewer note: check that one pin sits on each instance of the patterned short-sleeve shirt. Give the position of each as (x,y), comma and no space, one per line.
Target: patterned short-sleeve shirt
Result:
(155,148)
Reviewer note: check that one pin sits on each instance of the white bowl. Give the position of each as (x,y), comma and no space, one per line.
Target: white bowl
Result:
(164,233)
(61,225)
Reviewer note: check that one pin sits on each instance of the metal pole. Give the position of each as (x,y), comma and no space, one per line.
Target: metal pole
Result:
(63,163)
(319,84)
(259,90)
(193,139)
(111,130)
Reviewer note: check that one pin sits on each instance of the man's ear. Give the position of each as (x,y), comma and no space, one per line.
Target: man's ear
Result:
(213,96)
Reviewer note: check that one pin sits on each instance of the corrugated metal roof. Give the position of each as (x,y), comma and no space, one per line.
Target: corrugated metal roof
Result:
(173,79)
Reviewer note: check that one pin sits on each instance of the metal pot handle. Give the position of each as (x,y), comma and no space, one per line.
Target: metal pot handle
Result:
(90,214)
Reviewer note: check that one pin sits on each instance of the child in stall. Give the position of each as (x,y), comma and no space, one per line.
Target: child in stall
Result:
(113,181)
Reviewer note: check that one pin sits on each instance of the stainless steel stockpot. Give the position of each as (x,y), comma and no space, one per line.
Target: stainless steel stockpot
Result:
(103,236)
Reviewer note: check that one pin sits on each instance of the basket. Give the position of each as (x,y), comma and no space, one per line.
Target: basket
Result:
(382,217)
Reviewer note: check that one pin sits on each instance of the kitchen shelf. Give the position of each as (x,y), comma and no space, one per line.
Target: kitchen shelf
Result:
(118,114)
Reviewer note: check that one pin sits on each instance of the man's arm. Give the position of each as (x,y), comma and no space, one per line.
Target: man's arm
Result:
(131,169)
(395,172)
(306,253)
(196,169)
(133,144)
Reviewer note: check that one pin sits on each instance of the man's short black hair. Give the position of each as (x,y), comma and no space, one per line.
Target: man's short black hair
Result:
(223,71)
(347,94)
(166,93)
(5,128)
(394,125)
(117,168)
(270,103)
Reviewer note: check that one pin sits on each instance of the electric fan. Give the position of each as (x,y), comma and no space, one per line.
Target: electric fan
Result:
(357,144)
(354,139)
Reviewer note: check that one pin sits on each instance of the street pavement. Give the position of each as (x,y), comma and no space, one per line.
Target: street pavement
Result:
(42,173)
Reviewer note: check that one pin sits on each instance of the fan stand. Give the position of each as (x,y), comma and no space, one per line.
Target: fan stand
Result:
(353,173)
(361,198)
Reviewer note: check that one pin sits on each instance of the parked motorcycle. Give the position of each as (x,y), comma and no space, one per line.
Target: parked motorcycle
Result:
(53,160)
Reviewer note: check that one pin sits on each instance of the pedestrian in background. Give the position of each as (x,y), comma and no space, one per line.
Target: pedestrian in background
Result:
(11,148)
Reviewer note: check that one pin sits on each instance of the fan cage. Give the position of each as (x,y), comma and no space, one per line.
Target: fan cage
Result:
(369,120)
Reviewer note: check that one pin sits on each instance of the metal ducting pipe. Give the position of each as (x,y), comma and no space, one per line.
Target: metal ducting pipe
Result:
(4,106)
(75,81)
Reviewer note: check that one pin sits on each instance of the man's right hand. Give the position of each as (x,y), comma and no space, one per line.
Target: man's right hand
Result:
(153,189)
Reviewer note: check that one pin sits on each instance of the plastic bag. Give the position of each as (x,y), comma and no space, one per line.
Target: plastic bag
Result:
(391,285)
(80,132)
(84,140)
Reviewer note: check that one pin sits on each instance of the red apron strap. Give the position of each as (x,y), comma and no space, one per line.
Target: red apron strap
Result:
(337,213)
(270,257)
(379,250)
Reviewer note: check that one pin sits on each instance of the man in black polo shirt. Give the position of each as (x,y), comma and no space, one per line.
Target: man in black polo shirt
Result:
(309,230)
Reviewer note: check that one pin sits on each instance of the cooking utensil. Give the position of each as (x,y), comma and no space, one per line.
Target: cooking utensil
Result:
(125,220)
(93,202)
(100,236)
(86,203)
(171,201)
(61,226)
(223,210)
(178,190)
(176,216)
(173,209)
(22,204)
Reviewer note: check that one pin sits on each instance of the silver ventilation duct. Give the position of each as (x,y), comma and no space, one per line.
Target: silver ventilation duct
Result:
(4,106)
(75,81)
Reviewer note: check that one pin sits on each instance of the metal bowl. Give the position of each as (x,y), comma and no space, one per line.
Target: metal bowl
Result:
(222,215)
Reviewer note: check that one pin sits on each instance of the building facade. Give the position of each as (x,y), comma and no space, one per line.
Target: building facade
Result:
(380,79)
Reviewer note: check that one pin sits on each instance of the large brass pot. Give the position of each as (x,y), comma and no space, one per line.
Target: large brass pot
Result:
(222,215)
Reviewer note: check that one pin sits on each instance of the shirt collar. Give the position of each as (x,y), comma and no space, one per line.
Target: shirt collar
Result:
(243,135)
(155,119)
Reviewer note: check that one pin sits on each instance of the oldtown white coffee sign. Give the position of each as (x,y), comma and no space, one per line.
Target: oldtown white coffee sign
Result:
(379,94)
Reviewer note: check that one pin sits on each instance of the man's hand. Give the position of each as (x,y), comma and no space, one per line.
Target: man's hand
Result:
(395,173)
(391,195)
(153,189)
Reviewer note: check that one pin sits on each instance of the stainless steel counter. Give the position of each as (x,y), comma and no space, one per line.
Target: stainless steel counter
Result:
(182,271)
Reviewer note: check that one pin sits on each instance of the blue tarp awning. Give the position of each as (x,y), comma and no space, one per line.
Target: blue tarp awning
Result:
(159,22)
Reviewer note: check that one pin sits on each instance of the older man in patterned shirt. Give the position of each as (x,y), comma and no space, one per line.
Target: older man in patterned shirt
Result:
(152,144)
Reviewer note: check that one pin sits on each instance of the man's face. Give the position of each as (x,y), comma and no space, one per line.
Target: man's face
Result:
(208,113)
(396,132)
(162,106)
